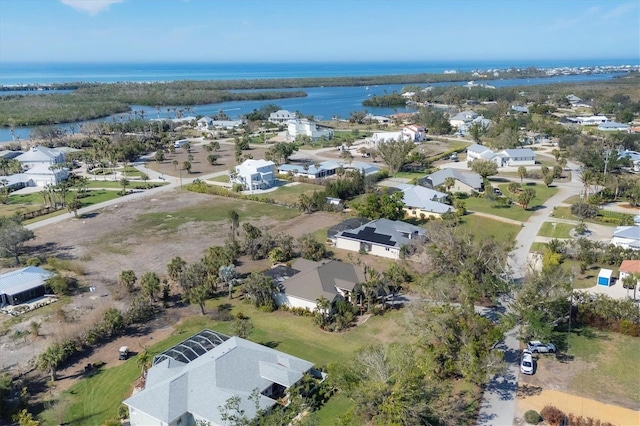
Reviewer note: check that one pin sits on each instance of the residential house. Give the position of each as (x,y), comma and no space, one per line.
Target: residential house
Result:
(384,137)
(43,166)
(255,174)
(308,128)
(628,267)
(577,102)
(322,170)
(209,123)
(363,167)
(507,157)
(518,157)
(466,182)
(592,120)
(634,158)
(462,118)
(380,119)
(282,116)
(190,383)
(381,237)
(421,202)
(414,133)
(22,285)
(612,126)
(306,281)
(627,237)
(520,109)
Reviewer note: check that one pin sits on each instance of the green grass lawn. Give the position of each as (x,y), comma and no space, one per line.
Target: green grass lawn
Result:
(171,221)
(555,230)
(590,275)
(409,175)
(223,179)
(96,399)
(483,226)
(615,358)
(513,211)
(605,217)
(538,247)
(99,183)
(289,194)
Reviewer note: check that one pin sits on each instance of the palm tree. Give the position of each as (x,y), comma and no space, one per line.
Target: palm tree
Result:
(50,359)
(150,284)
(124,182)
(449,183)
(144,360)
(323,308)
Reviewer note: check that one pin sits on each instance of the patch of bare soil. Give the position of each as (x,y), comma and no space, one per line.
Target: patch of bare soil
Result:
(111,240)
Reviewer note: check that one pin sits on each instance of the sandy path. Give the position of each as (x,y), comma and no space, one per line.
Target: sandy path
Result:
(579,406)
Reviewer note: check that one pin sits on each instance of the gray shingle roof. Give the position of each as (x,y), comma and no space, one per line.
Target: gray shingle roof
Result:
(474,180)
(236,367)
(322,280)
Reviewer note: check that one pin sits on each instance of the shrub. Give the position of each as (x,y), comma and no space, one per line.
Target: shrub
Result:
(552,415)
(532,417)
(33,261)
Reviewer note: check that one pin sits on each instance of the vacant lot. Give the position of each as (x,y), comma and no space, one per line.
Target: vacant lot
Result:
(555,230)
(591,364)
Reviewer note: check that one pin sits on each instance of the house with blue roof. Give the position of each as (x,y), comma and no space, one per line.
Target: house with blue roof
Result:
(420,202)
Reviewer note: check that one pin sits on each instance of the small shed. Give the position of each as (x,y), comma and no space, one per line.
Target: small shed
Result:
(604,277)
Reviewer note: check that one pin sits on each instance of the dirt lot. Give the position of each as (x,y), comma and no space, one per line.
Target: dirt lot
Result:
(111,240)
(200,165)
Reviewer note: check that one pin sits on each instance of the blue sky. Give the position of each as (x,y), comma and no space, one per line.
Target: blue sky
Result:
(316,30)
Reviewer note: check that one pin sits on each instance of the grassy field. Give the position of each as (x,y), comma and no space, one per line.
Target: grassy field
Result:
(223,179)
(555,230)
(614,357)
(513,211)
(96,399)
(483,226)
(605,217)
(289,194)
(588,278)
(538,247)
(165,221)
(22,203)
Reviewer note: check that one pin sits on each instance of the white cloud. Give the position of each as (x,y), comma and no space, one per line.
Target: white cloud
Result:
(92,7)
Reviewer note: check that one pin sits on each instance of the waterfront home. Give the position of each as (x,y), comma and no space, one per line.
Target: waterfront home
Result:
(282,116)
(255,174)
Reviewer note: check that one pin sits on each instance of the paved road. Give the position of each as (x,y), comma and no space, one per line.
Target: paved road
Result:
(498,404)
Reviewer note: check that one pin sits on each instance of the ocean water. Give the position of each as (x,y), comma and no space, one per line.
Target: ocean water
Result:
(322,102)
(14,73)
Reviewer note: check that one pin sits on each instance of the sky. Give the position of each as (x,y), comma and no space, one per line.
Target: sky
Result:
(317,30)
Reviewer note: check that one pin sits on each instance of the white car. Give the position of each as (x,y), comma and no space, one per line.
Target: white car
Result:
(526,365)
(535,346)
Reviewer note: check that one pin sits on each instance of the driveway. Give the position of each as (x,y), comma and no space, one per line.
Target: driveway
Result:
(498,404)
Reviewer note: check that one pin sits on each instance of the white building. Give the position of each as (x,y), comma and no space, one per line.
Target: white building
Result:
(255,174)
(462,118)
(43,166)
(304,127)
(627,237)
(414,133)
(384,137)
(612,126)
(507,157)
(282,116)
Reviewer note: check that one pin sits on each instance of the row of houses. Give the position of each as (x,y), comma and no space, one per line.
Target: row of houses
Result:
(41,166)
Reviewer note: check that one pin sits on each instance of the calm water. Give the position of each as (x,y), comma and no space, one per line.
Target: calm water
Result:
(12,73)
(321,102)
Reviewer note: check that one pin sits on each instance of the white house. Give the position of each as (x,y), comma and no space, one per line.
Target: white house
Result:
(282,116)
(612,126)
(304,127)
(462,118)
(380,119)
(628,267)
(627,237)
(518,157)
(507,157)
(592,120)
(323,170)
(306,281)
(414,133)
(189,383)
(43,166)
(255,174)
(381,237)
(384,137)
(209,123)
